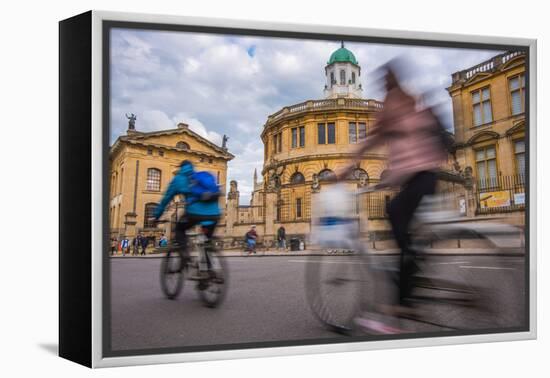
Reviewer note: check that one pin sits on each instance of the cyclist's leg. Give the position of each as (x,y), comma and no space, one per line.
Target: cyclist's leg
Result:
(181,233)
(401,211)
(210,227)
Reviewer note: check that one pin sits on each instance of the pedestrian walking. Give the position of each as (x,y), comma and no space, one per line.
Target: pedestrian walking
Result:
(136,243)
(163,241)
(114,244)
(281,238)
(144,242)
(125,245)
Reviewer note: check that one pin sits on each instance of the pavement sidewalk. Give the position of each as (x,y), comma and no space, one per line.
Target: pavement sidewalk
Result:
(314,252)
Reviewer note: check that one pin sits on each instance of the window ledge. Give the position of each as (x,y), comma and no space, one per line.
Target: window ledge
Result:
(482,126)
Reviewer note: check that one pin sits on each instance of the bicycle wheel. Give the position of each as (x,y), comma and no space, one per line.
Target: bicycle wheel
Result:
(334,289)
(171,273)
(470,291)
(213,289)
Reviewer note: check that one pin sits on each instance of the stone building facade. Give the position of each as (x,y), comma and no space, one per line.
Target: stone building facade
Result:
(304,144)
(489,121)
(141,167)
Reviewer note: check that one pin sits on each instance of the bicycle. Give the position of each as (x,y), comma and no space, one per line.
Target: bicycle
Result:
(203,265)
(341,288)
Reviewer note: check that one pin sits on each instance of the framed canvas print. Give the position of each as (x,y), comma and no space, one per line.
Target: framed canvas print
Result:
(232,189)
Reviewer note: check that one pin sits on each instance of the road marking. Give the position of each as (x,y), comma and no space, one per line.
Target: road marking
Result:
(330,262)
(486,267)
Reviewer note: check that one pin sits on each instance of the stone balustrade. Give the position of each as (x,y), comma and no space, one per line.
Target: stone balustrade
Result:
(326,104)
(487,66)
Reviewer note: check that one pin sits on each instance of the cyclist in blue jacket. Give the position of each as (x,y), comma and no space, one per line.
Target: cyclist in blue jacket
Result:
(197,209)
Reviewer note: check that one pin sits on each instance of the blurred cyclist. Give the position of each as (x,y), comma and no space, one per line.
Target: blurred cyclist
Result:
(416,150)
(201,203)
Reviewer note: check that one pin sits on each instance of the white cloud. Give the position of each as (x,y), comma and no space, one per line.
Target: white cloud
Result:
(198,127)
(191,65)
(152,120)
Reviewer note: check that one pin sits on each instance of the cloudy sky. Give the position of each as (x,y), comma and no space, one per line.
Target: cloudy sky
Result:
(230,84)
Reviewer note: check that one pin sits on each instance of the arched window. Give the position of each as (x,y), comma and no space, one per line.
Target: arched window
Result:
(297,178)
(342,77)
(153,179)
(182,145)
(148,214)
(326,174)
(353,77)
(332,81)
(358,174)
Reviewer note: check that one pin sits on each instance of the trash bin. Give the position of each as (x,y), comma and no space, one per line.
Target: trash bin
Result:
(294,244)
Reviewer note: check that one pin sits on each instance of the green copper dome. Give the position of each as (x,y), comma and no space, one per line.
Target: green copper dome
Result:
(342,55)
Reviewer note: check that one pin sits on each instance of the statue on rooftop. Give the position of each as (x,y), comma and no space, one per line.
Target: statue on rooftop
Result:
(131,121)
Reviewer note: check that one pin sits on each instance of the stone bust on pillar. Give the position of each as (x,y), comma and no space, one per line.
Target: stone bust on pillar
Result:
(315,185)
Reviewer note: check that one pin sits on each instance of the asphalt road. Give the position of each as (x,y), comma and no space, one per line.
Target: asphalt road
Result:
(266,301)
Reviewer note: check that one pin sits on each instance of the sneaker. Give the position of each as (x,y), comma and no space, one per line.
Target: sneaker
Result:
(377,327)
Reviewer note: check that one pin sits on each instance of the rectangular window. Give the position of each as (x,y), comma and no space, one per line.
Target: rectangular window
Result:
(481,102)
(294,133)
(519,150)
(321,135)
(486,165)
(352,132)
(326,133)
(517,94)
(298,207)
(149,215)
(280,142)
(331,133)
(275,143)
(302,136)
(357,132)
(153,180)
(361,131)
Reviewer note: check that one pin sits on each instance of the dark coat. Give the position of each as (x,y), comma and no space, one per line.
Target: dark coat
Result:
(144,242)
(281,233)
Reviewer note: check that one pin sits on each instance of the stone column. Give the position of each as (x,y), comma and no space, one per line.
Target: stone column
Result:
(231,209)
(270,213)
(130,225)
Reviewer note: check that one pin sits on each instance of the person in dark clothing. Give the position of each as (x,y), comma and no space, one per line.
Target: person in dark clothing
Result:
(144,243)
(114,244)
(281,238)
(136,243)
